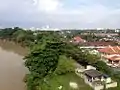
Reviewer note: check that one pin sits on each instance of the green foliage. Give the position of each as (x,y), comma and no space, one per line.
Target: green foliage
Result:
(20,35)
(64,80)
(32,81)
(25,38)
(91,58)
(42,61)
(100,65)
(82,56)
(91,37)
(65,65)
(7,33)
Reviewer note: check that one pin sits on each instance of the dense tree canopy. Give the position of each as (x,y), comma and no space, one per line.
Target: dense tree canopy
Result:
(43,60)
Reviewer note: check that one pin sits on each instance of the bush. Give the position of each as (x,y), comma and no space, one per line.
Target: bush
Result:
(65,65)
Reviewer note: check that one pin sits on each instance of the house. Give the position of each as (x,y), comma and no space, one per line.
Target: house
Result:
(94,75)
(111,55)
(96,79)
(113,60)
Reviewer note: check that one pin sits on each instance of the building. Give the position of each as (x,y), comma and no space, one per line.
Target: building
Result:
(111,55)
(96,79)
(113,60)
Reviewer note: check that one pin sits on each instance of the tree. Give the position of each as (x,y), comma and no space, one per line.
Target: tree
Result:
(7,33)
(91,58)
(82,56)
(19,35)
(24,37)
(42,62)
(100,65)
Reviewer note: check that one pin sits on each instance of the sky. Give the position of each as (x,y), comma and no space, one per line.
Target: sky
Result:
(60,13)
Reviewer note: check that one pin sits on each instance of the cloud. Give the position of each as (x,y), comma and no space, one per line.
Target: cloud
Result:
(47,5)
(60,13)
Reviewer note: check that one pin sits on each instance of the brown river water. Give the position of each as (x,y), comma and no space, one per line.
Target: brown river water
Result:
(12,70)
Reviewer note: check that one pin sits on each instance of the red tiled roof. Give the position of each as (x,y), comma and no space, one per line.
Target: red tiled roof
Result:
(114,58)
(78,39)
(110,50)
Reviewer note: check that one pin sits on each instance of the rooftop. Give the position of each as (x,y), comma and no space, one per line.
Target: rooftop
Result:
(93,73)
(113,57)
(110,50)
(78,39)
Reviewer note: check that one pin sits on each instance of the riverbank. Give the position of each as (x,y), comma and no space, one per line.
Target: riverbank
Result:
(11,46)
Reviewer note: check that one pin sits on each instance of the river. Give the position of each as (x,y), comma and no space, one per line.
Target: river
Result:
(12,70)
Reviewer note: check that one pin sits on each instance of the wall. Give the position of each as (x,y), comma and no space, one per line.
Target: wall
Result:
(99,87)
(114,84)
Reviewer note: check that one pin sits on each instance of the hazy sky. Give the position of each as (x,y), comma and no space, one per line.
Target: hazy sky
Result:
(60,13)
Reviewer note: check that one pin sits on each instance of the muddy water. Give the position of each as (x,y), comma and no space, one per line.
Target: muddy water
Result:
(12,68)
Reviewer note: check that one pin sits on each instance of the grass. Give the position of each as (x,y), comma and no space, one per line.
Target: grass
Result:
(64,80)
